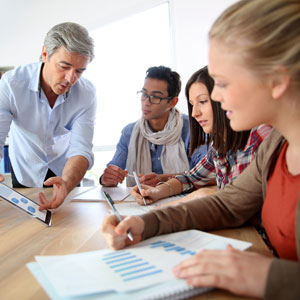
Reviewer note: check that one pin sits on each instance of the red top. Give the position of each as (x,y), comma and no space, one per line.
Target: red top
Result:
(279,209)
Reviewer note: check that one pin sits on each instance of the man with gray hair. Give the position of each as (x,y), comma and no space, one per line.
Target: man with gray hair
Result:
(50,111)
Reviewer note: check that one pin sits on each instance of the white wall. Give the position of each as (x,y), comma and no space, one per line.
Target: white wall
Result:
(23,25)
(191,21)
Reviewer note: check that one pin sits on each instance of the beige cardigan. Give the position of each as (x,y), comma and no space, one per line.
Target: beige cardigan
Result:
(232,207)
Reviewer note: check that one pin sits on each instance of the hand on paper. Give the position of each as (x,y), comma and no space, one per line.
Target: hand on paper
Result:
(151,179)
(1,178)
(113,175)
(59,194)
(242,273)
(151,194)
(115,233)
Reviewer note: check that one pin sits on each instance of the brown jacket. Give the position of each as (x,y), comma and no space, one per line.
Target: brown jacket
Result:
(232,207)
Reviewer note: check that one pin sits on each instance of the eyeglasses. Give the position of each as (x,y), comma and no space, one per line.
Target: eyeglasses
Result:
(152,98)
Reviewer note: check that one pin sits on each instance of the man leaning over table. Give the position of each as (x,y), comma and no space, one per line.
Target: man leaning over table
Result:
(157,145)
(50,111)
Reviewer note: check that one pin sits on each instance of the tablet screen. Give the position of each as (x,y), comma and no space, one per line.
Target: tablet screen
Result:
(24,203)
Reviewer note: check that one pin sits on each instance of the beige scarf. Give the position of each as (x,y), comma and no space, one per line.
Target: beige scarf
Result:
(173,156)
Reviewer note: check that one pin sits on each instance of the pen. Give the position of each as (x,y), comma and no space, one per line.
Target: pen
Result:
(139,185)
(116,213)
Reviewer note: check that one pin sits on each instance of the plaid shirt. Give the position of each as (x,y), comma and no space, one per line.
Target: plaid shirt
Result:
(223,168)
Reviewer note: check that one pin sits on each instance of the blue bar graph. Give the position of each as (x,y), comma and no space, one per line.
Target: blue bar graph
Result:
(131,267)
(120,259)
(137,271)
(189,252)
(172,247)
(128,266)
(126,263)
(114,256)
(143,275)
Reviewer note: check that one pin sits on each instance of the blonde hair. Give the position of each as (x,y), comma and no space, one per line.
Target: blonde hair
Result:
(265,32)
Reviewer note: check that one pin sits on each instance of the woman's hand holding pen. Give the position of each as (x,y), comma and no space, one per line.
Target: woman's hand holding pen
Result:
(150,194)
(115,232)
(242,273)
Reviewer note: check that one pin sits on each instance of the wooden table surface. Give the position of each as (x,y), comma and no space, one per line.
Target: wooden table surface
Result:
(75,228)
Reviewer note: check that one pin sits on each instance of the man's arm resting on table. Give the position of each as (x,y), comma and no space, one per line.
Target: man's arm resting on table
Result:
(74,170)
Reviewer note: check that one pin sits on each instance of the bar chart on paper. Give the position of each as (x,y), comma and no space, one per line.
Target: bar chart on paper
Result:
(143,265)
(171,247)
(129,267)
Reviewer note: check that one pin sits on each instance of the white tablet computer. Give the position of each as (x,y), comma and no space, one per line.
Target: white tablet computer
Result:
(25,204)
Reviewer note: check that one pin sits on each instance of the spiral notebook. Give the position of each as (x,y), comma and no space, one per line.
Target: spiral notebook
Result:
(142,271)
(172,290)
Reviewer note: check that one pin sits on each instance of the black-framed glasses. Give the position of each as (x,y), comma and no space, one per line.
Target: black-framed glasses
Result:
(153,99)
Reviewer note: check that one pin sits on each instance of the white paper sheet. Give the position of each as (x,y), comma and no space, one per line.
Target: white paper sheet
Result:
(140,266)
(96,194)
(133,208)
(161,291)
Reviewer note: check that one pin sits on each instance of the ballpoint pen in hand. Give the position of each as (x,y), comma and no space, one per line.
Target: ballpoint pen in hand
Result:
(116,213)
(139,185)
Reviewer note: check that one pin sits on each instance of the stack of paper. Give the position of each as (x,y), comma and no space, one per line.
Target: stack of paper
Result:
(142,271)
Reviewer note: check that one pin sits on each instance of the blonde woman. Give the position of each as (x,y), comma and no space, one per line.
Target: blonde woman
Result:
(254,58)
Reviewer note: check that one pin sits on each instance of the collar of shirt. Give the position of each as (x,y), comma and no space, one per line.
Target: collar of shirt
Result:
(35,83)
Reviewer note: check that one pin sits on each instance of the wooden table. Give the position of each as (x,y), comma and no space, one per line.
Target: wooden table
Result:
(75,228)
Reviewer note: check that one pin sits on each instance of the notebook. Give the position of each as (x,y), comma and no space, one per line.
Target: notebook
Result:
(142,271)
(160,292)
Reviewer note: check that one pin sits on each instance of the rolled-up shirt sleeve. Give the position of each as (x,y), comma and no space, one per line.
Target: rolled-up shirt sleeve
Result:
(82,132)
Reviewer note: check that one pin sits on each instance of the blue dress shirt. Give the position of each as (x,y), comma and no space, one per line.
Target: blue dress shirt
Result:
(42,137)
(120,156)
